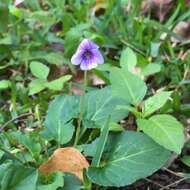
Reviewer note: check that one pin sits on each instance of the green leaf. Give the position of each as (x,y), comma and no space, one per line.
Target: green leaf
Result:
(151,69)
(53,58)
(90,149)
(65,132)
(18,177)
(133,156)
(185,175)
(57,123)
(58,181)
(162,28)
(4,16)
(6,40)
(29,142)
(155,102)
(1,154)
(127,86)
(116,127)
(3,169)
(39,70)
(62,108)
(101,143)
(71,183)
(99,104)
(36,86)
(34,5)
(61,132)
(72,38)
(155,49)
(131,109)
(186,160)
(15,11)
(58,83)
(128,59)
(4,84)
(165,130)
(44,17)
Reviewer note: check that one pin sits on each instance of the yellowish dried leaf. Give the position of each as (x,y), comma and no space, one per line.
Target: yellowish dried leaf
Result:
(100,6)
(68,160)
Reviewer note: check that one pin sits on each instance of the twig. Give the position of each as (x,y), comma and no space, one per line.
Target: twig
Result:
(82,99)
(172,184)
(174,156)
(154,182)
(171,172)
(14,119)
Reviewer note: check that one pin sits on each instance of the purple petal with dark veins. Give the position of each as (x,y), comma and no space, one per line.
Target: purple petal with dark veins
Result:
(87,64)
(86,44)
(97,57)
(77,57)
(87,55)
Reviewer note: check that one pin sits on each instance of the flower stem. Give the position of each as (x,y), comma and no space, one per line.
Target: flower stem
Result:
(81,109)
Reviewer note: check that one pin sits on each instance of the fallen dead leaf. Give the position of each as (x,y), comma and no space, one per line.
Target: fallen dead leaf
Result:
(96,81)
(183,30)
(100,7)
(187,3)
(159,9)
(68,160)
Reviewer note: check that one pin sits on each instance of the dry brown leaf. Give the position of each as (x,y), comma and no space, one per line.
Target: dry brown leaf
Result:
(187,3)
(182,29)
(100,3)
(100,7)
(159,9)
(96,81)
(68,160)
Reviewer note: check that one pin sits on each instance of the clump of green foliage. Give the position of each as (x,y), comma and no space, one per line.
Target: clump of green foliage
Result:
(145,85)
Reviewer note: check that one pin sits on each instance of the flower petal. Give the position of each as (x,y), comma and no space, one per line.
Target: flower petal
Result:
(88,65)
(77,58)
(18,2)
(87,44)
(97,57)
(87,55)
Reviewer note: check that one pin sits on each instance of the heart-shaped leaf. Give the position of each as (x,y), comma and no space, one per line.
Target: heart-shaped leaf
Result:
(27,141)
(71,182)
(128,59)
(132,156)
(39,70)
(151,69)
(61,110)
(19,177)
(155,102)
(36,86)
(57,84)
(57,181)
(99,104)
(127,86)
(165,130)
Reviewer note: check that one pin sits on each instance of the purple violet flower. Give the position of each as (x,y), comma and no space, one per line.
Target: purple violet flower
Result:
(87,55)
